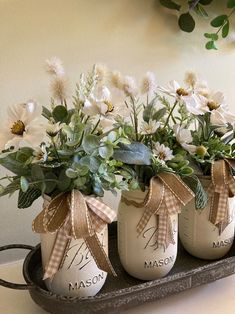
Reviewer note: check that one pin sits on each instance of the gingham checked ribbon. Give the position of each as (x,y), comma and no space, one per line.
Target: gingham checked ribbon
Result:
(167,194)
(221,188)
(73,215)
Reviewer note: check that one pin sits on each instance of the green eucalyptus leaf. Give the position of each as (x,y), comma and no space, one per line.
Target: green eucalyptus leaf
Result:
(24,184)
(219,20)
(91,162)
(231,4)
(210,45)
(135,153)
(225,29)
(200,10)
(26,199)
(169,4)
(186,22)
(64,181)
(106,151)
(59,113)
(112,136)
(82,170)
(11,188)
(212,36)
(46,113)
(97,189)
(9,162)
(147,113)
(90,143)
(51,181)
(80,182)
(159,114)
(36,172)
(71,173)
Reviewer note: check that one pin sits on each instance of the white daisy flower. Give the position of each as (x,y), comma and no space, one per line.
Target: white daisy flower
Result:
(189,97)
(22,127)
(184,137)
(219,112)
(162,152)
(149,127)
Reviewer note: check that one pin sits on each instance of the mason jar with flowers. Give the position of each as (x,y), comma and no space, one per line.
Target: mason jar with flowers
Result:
(148,212)
(67,160)
(205,131)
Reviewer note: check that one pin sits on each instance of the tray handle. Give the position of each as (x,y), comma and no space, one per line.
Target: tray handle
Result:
(12,285)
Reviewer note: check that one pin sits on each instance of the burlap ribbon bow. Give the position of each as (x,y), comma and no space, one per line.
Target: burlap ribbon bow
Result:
(73,215)
(221,188)
(167,194)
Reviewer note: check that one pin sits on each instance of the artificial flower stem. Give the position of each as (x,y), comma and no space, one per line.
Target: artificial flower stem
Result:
(55,149)
(95,127)
(135,119)
(170,114)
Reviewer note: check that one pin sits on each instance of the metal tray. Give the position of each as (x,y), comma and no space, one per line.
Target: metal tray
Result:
(124,291)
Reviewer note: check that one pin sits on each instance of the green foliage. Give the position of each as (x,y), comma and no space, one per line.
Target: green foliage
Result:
(135,153)
(201,197)
(186,20)
(27,198)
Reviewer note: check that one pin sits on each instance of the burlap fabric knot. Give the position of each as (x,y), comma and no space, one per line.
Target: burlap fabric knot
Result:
(73,215)
(221,188)
(167,194)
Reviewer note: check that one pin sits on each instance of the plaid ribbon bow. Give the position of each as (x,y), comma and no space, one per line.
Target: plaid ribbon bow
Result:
(221,188)
(167,194)
(73,215)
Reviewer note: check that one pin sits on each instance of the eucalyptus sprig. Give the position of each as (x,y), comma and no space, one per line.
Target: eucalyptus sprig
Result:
(186,21)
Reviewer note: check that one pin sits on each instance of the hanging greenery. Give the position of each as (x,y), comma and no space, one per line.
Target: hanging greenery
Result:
(187,23)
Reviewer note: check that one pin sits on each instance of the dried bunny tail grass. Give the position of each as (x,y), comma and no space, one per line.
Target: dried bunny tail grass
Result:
(202,88)
(102,72)
(116,79)
(60,88)
(54,66)
(129,86)
(148,84)
(190,78)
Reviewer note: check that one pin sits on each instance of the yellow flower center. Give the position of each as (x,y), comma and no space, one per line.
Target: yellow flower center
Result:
(201,151)
(18,128)
(181,92)
(212,105)
(162,155)
(110,106)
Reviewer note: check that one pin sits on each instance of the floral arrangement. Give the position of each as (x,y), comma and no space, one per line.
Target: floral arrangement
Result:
(68,149)
(113,134)
(187,22)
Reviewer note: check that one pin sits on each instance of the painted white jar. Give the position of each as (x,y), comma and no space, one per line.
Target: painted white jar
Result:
(79,275)
(199,236)
(140,256)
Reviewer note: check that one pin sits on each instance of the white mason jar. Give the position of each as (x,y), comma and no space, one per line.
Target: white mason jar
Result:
(199,236)
(140,256)
(79,275)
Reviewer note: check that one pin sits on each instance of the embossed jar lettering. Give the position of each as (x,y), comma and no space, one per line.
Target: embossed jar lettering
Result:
(79,275)
(140,255)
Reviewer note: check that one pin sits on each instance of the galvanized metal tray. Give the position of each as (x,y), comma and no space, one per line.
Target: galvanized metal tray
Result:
(124,291)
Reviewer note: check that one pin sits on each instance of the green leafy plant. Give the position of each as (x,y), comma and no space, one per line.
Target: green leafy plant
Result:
(186,21)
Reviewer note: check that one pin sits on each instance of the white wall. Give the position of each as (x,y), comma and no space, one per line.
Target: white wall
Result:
(130,35)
